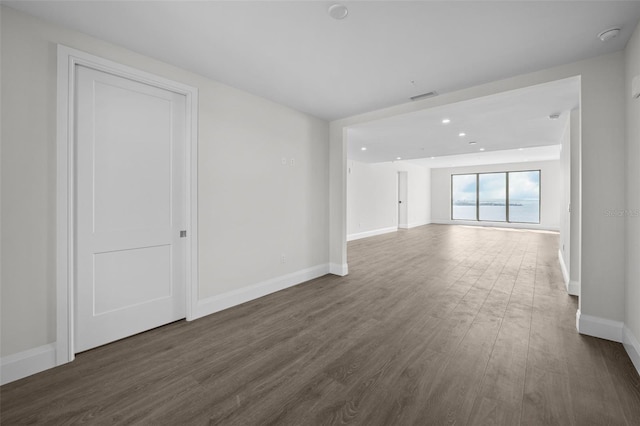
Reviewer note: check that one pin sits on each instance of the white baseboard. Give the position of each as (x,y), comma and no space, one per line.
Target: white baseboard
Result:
(26,363)
(632,346)
(416,224)
(32,361)
(573,288)
(340,270)
(371,233)
(233,298)
(563,267)
(599,327)
(506,225)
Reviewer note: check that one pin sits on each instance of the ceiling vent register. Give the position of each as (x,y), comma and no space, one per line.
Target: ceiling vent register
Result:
(424,96)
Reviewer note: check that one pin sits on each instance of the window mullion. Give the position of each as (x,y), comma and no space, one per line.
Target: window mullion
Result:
(507,197)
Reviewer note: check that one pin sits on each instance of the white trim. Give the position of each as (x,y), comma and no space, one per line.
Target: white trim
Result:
(365,234)
(599,327)
(533,226)
(563,267)
(17,366)
(236,297)
(411,225)
(68,58)
(416,224)
(192,278)
(64,214)
(632,346)
(337,269)
(574,288)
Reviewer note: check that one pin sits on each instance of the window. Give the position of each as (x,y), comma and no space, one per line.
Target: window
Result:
(492,197)
(463,196)
(496,197)
(524,197)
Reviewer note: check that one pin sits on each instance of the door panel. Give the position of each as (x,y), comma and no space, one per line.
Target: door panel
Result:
(132,159)
(130,207)
(126,278)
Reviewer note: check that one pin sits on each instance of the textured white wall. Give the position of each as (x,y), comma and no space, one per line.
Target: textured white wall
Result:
(251,210)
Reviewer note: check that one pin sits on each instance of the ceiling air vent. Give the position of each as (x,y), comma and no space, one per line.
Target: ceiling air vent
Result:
(424,96)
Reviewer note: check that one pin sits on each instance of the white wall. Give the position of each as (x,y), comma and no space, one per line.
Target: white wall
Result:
(372,197)
(549,190)
(569,248)
(576,200)
(603,159)
(565,199)
(251,210)
(632,287)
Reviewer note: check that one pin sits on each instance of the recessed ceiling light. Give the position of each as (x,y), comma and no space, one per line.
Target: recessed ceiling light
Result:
(481,149)
(398,158)
(554,116)
(446,121)
(473,143)
(520,149)
(433,158)
(338,11)
(462,134)
(364,148)
(607,35)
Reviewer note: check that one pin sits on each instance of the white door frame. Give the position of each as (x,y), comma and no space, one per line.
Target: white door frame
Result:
(68,58)
(403,196)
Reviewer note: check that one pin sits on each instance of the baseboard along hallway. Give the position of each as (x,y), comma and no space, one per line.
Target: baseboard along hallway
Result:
(434,325)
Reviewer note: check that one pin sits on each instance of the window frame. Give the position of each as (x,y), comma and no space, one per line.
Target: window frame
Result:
(451,195)
(507,212)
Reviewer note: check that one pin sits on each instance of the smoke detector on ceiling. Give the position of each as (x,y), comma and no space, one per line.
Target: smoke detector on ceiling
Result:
(338,11)
(607,35)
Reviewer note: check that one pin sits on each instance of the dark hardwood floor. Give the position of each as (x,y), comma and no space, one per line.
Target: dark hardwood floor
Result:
(435,325)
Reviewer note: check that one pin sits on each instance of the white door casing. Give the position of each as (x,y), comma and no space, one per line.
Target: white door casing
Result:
(403,220)
(130,207)
(136,238)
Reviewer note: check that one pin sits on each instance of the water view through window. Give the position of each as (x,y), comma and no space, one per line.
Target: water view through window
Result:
(496,197)
(463,194)
(524,197)
(492,197)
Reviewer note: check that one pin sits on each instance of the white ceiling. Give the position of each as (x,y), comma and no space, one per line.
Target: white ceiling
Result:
(505,121)
(520,155)
(293,53)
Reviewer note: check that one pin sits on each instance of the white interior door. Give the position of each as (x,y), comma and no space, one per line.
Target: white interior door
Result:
(130,207)
(403,220)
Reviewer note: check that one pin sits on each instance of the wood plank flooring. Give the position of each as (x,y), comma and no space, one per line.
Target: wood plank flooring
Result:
(435,325)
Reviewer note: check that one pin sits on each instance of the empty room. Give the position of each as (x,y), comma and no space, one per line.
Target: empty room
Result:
(309,212)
